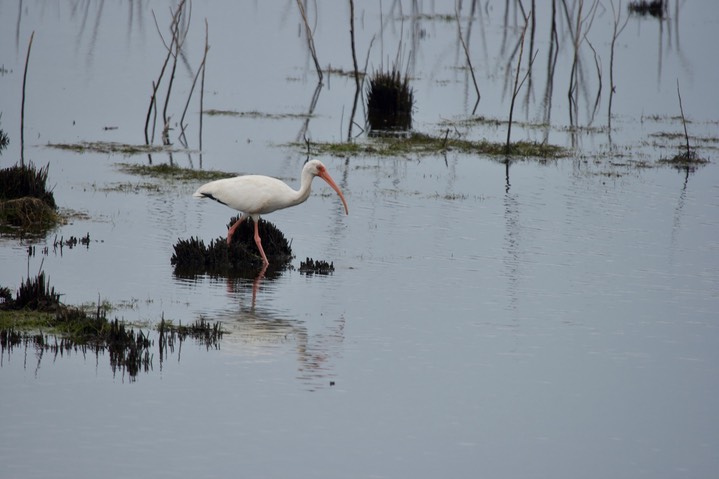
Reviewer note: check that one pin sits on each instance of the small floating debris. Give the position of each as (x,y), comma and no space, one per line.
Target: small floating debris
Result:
(193,257)
(310,266)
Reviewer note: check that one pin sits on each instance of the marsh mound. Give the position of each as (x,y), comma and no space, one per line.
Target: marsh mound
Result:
(36,317)
(25,201)
(193,257)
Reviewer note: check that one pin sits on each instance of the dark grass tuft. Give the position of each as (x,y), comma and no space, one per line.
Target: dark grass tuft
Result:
(26,180)
(36,309)
(25,201)
(655,8)
(4,140)
(193,257)
(35,294)
(389,102)
(310,266)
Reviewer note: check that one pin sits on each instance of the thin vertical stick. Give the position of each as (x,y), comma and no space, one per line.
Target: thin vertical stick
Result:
(202,81)
(517,85)
(616,16)
(200,69)
(22,106)
(684,121)
(310,40)
(469,62)
(352,36)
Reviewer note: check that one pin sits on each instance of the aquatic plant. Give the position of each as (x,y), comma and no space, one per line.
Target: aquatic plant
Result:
(25,201)
(310,266)
(390,100)
(35,316)
(4,139)
(204,332)
(193,257)
(654,8)
(424,144)
(26,180)
(37,294)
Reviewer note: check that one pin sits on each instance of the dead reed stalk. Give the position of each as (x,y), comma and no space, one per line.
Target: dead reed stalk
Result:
(22,106)
(173,50)
(352,37)
(358,85)
(469,61)
(200,70)
(310,40)
(617,17)
(202,84)
(517,83)
(684,122)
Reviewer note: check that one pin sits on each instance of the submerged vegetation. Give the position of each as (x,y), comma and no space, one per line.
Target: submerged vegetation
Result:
(126,149)
(36,317)
(173,172)
(423,144)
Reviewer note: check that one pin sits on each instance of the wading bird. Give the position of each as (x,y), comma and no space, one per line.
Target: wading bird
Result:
(255,195)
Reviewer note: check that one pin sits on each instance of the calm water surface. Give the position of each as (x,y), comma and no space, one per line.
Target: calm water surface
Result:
(550,320)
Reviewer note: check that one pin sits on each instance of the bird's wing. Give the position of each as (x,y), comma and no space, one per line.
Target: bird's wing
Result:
(251,194)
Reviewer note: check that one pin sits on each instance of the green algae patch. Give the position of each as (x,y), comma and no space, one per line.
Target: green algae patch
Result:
(126,149)
(172,172)
(423,144)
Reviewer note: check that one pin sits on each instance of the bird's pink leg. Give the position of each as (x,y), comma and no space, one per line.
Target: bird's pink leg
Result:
(234,227)
(258,242)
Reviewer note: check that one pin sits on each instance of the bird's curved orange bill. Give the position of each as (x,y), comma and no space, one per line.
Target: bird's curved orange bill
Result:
(326,176)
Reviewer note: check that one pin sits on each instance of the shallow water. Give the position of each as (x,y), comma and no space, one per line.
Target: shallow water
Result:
(555,320)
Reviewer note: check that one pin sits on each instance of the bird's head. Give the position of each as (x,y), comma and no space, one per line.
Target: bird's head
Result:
(317,168)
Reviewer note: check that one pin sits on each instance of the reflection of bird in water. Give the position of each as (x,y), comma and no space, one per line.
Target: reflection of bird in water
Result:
(255,195)
(261,332)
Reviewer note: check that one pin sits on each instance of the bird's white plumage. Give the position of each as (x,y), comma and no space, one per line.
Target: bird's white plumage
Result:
(250,194)
(256,195)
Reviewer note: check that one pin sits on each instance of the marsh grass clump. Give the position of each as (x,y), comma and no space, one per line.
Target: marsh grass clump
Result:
(20,181)
(310,267)
(204,332)
(193,257)
(4,140)
(36,294)
(36,316)
(25,200)
(654,8)
(390,100)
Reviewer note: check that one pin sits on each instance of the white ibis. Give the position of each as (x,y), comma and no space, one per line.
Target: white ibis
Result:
(255,195)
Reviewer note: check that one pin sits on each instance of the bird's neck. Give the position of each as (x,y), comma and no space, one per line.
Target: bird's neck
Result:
(303,193)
